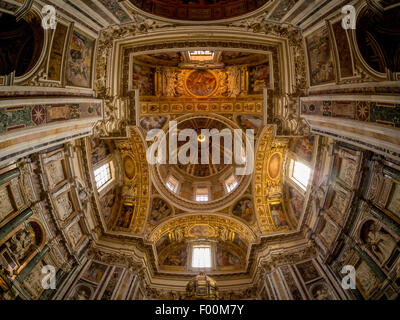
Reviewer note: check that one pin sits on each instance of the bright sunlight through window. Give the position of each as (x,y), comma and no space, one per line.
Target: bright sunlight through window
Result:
(202,194)
(301,174)
(201,257)
(102,175)
(172,184)
(231,183)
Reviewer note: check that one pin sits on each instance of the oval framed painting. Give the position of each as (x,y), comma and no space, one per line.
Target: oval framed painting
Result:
(274,166)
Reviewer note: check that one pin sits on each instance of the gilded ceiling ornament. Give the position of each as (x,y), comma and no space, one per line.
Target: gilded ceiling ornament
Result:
(135,191)
(267,178)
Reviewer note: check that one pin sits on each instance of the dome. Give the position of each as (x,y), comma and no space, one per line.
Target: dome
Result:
(197,185)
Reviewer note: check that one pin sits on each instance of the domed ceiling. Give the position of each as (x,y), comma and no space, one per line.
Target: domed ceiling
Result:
(197,87)
(199,10)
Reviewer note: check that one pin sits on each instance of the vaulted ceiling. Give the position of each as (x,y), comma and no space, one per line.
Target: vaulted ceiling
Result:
(198,10)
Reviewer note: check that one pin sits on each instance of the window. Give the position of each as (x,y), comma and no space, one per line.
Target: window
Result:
(102,175)
(231,183)
(172,184)
(301,174)
(202,194)
(201,257)
(201,55)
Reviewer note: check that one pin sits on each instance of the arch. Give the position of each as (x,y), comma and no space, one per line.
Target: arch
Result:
(23,44)
(213,219)
(199,10)
(376,41)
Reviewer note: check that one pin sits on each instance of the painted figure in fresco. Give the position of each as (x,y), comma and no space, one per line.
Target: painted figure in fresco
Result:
(243,209)
(176,258)
(201,83)
(277,215)
(78,72)
(126,216)
(382,244)
(304,147)
(260,77)
(201,231)
(143,79)
(100,150)
(225,259)
(159,210)
(296,201)
(108,202)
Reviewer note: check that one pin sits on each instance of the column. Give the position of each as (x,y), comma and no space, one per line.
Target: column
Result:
(24,215)
(27,270)
(9,175)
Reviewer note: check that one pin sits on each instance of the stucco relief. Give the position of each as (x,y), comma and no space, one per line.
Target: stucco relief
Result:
(6,206)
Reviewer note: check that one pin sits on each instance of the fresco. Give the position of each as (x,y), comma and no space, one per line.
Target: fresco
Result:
(303,147)
(167,57)
(159,210)
(307,270)
(129,167)
(153,122)
(99,11)
(56,53)
(143,79)
(282,9)
(259,77)
(244,209)
(176,257)
(201,83)
(250,122)
(107,203)
(224,258)
(381,113)
(163,242)
(278,214)
(296,201)
(201,231)
(274,166)
(95,272)
(126,215)
(320,58)
(79,61)
(116,10)
(100,150)
(239,242)
(343,49)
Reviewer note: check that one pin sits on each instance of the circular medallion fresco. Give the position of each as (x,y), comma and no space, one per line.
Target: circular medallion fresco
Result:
(129,168)
(201,83)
